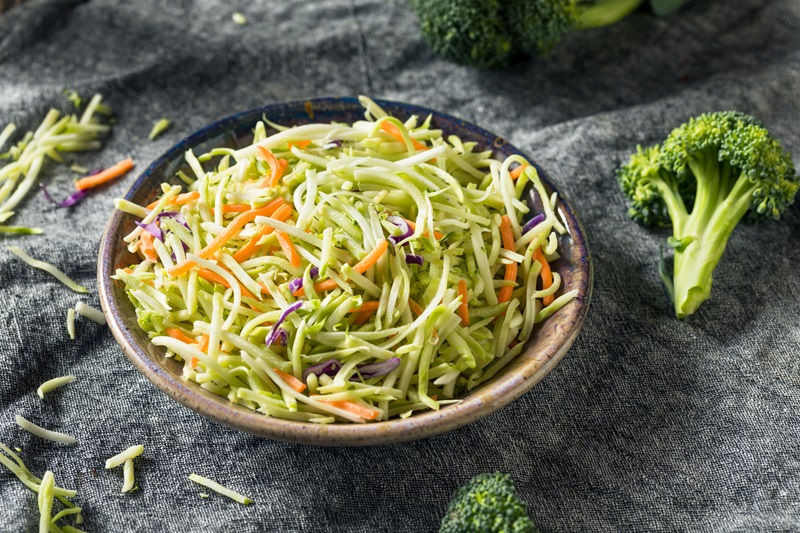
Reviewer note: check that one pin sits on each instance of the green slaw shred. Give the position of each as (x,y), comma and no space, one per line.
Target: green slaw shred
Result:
(232,312)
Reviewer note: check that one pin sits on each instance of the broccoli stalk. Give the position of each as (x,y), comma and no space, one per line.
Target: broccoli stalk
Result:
(605,13)
(706,176)
(488,503)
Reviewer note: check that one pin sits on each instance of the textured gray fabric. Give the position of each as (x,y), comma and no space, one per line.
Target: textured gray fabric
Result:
(647,424)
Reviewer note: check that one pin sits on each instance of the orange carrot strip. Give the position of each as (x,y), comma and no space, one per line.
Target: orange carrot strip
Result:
(506,234)
(290,380)
(146,245)
(517,172)
(413,227)
(234,208)
(107,175)
(288,249)
(213,277)
(360,267)
(193,362)
(275,168)
(202,344)
(181,199)
(300,144)
(247,251)
(463,310)
(371,258)
(547,275)
(511,275)
(366,306)
(175,333)
(223,237)
(363,316)
(395,132)
(355,408)
(414,306)
(511,268)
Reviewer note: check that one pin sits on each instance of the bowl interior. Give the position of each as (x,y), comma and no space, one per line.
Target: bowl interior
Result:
(548,344)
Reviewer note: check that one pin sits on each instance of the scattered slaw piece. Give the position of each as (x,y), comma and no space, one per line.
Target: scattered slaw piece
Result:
(130,453)
(54,383)
(42,433)
(159,127)
(95,315)
(56,135)
(216,487)
(71,323)
(47,267)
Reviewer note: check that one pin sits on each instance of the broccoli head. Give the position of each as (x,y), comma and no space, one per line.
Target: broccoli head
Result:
(490,33)
(488,503)
(705,177)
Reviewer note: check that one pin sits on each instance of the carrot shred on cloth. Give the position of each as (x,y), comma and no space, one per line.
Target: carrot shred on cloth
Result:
(107,175)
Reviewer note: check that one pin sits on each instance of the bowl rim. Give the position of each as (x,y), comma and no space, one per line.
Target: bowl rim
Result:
(496,393)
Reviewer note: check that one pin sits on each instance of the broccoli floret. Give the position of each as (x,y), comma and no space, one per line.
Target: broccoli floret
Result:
(489,33)
(470,32)
(488,503)
(704,178)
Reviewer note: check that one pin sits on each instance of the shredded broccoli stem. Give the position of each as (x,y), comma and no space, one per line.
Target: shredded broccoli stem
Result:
(47,267)
(54,383)
(159,127)
(323,267)
(213,485)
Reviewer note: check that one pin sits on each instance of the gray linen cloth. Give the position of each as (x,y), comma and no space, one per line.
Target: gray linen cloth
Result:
(647,424)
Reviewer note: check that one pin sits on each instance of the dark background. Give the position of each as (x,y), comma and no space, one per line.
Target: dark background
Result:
(647,424)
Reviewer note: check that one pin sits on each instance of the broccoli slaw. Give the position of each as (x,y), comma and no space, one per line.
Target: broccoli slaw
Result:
(333,272)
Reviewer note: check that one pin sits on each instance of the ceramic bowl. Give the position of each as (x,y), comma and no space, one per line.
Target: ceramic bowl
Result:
(548,344)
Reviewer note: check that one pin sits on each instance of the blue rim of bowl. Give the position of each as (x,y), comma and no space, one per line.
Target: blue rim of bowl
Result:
(515,380)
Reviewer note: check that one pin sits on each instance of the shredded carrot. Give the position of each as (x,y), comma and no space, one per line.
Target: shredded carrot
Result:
(413,227)
(202,344)
(362,266)
(225,235)
(127,270)
(213,277)
(463,310)
(107,175)
(366,306)
(193,362)
(395,132)
(355,408)
(371,258)
(175,333)
(233,208)
(247,251)
(275,168)
(506,234)
(511,268)
(288,249)
(547,275)
(290,380)
(146,245)
(363,316)
(366,310)
(517,172)
(511,275)
(300,144)
(414,306)
(181,199)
